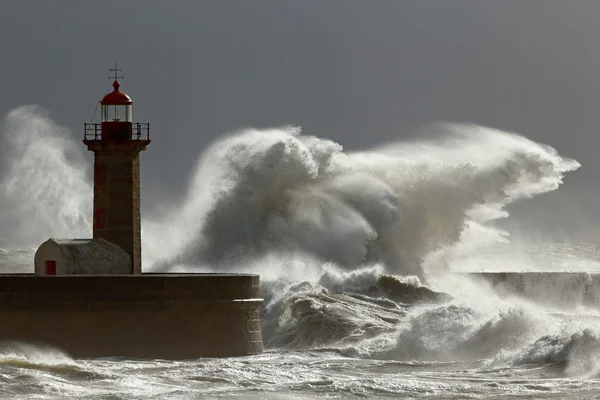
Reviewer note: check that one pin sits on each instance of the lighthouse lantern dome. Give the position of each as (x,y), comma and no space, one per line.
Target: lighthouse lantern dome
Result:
(116,106)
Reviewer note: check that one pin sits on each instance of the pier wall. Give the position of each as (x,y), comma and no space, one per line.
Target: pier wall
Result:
(170,316)
(563,289)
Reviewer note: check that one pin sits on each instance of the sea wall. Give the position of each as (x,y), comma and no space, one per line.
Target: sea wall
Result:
(171,316)
(563,289)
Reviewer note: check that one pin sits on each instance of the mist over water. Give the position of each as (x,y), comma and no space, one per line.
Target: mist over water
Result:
(356,250)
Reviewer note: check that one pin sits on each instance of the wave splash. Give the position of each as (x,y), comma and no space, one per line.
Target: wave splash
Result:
(265,192)
(23,355)
(354,249)
(44,190)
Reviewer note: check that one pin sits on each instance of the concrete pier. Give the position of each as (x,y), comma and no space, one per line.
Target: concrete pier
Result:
(168,316)
(564,289)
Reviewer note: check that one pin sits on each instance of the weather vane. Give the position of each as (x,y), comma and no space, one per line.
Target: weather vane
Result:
(116,70)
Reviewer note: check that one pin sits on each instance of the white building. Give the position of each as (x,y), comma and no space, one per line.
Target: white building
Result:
(81,256)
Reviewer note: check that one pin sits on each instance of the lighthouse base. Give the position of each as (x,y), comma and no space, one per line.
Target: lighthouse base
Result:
(168,316)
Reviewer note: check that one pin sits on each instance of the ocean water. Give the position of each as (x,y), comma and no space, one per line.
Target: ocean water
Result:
(361,257)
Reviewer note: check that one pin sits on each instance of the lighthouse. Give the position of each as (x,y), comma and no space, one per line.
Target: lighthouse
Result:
(89,297)
(117,142)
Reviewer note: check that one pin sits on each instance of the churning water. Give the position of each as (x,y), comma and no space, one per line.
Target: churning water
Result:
(357,253)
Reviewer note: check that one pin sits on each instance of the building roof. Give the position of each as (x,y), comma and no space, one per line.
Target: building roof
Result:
(92,249)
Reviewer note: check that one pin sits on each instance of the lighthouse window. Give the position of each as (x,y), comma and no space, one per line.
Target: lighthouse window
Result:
(112,113)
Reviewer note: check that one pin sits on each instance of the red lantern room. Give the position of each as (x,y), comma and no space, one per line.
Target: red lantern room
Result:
(116,106)
(116,114)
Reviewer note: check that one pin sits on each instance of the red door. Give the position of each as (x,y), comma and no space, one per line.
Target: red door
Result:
(51,267)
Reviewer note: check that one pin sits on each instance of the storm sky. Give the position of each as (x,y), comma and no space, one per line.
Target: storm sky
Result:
(357,72)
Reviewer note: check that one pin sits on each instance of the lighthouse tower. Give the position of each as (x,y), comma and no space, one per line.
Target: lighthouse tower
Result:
(80,284)
(117,143)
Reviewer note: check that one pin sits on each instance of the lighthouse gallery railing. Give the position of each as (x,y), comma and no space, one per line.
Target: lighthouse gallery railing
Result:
(139,131)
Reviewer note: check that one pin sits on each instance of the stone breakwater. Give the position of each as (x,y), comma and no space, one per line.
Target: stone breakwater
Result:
(169,316)
(550,288)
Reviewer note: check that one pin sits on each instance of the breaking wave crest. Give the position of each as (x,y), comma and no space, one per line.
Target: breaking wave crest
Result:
(265,192)
(23,355)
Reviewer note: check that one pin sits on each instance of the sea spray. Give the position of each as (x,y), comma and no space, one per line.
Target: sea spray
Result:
(44,186)
(278,191)
(25,355)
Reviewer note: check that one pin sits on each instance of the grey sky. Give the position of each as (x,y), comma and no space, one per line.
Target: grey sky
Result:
(358,72)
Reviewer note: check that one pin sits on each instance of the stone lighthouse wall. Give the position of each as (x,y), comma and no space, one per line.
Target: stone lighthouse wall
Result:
(117,196)
(165,316)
